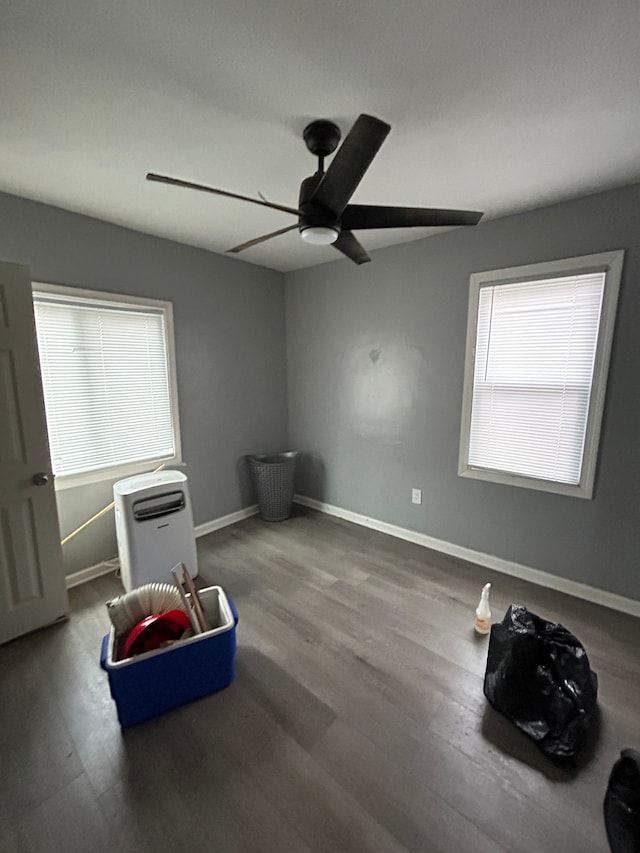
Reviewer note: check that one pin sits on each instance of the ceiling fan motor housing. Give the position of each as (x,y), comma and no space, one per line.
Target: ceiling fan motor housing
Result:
(314,215)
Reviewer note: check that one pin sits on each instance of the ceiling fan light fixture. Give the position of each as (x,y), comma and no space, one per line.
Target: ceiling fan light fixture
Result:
(320,235)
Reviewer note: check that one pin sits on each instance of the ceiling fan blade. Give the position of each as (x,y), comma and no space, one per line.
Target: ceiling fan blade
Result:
(372,216)
(349,246)
(350,162)
(177,182)
(262,239)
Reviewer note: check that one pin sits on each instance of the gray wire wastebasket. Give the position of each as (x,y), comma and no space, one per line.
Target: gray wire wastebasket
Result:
(273,476)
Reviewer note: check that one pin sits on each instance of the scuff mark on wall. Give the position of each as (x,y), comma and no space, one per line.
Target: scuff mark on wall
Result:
(382,387)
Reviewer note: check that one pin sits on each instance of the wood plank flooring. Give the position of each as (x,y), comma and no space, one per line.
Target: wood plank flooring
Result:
(356,721)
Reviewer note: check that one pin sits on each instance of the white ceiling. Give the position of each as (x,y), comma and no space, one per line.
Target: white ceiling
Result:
(499,105)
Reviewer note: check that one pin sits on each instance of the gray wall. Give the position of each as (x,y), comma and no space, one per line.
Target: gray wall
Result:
(375,360)
(230,350)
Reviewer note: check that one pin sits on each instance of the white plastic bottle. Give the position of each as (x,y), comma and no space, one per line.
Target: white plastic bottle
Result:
(483,612)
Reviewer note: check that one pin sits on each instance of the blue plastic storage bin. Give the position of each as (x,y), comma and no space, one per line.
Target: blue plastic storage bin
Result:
(150,684)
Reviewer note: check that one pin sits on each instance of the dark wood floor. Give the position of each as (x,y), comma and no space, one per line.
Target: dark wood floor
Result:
(356,722)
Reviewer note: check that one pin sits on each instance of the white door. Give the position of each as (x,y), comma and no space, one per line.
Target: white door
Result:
(32,584)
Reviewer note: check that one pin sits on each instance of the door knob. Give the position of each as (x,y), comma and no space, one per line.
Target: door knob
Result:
(40,479)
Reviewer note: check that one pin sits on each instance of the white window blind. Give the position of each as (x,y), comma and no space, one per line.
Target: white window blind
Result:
(105,376)
(534,361)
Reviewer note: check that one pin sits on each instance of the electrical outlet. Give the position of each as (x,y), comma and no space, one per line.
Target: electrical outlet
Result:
(416,496)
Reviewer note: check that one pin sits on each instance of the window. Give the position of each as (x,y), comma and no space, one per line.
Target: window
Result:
(538,345)
(108,377)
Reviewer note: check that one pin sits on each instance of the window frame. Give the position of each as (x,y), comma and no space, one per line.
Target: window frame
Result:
(611,264)
(116,472)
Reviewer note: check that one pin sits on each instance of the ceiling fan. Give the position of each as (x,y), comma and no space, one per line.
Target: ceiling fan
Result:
(324,213)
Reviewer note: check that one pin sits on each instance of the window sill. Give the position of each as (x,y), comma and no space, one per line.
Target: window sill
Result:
(104,475)
(506,479)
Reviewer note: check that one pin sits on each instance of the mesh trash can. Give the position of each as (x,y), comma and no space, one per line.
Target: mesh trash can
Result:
(273,476)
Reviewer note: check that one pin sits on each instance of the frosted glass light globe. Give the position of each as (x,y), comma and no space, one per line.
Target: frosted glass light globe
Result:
(319,235)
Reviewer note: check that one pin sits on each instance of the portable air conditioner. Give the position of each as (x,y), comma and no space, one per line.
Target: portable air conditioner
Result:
(154,526)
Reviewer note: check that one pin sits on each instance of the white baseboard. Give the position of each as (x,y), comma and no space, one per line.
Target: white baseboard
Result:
(489,561)
(225,520)
(103,568)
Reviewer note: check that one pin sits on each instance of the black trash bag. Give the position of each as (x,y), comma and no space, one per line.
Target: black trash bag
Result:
(538,676)
(622,804)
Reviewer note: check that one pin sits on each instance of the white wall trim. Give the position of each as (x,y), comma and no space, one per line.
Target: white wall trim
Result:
(106,566)
(225,520)
(489,561)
